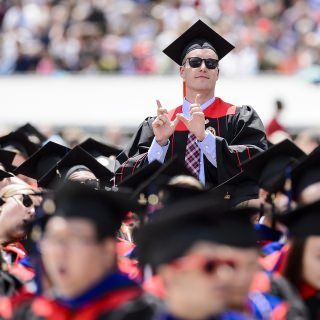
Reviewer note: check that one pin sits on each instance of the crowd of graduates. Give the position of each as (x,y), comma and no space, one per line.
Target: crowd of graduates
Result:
(77,242)
(127,36)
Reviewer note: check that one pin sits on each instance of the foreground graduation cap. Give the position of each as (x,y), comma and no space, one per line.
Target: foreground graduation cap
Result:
(176,228)
(198,36)
(42,161)
(306,173)
(74,160)
(6,159)
(268,168)
(18,141)
(105,209)
(303,221)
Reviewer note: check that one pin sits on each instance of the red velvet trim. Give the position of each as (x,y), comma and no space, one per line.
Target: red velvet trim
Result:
(217,109)
(238,158)
(51,310)
(122,169)
(249,155)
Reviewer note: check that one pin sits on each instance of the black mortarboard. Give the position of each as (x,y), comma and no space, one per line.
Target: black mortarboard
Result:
(75,159)
(105,209)
(42,161)
(5,174)
(149,179)
(177,227)
(305,173)
(32,133)
(198,36)
(101,152)
(268,168)
(303,221)
(97,148)
(18,141)
(170,194)
(237,189)
(6,159)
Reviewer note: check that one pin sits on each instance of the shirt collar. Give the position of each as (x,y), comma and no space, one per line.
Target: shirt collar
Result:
(186,105)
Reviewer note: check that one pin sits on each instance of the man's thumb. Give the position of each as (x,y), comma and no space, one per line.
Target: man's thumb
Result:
(182,118)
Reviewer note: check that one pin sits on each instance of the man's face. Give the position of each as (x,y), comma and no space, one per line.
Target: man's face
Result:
(311,262)
(73,257)
(15,216)
(200,289)
(246,265)
(201,78)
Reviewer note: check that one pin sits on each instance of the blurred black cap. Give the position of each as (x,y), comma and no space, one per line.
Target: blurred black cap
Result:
(105,209)
(303,221)
(177,227)
(237,189)
(5,174)
(102,152)
(32,133)
(305,173)
(75,160)
(18,141)
(42,161)
(6,159)
(268,168)
(198,36)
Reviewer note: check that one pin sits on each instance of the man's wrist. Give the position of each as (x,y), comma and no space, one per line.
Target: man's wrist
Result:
(202,136)
(162,142)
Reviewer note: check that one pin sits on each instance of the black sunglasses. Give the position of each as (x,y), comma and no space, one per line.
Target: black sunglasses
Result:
(27,201)
(207,265)
(92,183)
(196,62)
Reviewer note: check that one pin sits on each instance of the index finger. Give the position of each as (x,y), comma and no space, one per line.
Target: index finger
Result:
(160,109)
(196,100)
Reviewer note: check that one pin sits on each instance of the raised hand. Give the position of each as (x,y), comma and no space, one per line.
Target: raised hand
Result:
(196,123)
(162,126)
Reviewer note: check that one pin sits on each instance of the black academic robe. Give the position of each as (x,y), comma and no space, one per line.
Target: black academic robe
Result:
(239,135)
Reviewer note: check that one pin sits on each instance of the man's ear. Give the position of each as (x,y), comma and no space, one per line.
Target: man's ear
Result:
(181,70)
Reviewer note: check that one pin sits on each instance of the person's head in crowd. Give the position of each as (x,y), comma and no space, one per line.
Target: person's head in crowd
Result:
(77,165)
(272,170)
(18,201)
(198,52)
(190,245)
(79,241)
(42,161)
(307,140)
(306,179)
(302,267)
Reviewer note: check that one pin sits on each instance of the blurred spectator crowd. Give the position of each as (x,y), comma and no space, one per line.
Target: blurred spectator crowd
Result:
(128,36)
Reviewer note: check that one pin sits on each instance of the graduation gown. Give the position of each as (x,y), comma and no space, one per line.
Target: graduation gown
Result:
(115,297)
(239,135)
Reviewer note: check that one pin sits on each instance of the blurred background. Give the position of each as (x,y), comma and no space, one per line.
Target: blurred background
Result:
(96,67)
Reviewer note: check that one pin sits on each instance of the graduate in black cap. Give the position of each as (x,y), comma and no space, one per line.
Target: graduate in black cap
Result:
(271,169)
(211,136)
(206,256)
(77,165)
(42,161)
(302,267)
(306,179)
(78,250)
